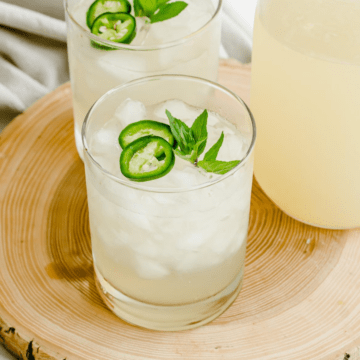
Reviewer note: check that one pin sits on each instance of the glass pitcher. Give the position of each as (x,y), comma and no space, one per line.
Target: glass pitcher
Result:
(305,97)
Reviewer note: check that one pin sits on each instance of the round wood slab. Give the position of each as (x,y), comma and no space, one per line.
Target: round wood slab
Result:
(301,293)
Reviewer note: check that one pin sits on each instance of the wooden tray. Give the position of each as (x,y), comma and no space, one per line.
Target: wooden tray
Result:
(301,294)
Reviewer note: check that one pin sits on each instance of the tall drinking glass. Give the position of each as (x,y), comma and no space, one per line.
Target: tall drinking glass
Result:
(187,44)
(169,253)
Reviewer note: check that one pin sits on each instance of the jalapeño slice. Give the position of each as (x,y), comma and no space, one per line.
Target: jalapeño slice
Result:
(147,158)
(144,128)
(117,27)
(99,7)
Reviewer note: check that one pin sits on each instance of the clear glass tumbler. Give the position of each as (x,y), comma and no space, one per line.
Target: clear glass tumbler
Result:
(169,259)
(93,70)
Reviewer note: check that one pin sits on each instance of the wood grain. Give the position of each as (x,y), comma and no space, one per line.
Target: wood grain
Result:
(301,294)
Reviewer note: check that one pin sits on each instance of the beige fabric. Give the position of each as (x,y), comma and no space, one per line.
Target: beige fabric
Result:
(33,58)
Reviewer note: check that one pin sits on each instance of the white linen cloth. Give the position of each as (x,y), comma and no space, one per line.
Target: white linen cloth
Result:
(33,58)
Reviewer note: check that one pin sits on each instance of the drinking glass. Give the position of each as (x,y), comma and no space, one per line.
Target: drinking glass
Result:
(165,258)
(93,70)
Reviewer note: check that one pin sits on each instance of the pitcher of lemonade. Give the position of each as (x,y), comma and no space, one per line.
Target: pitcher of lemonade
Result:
(305,97)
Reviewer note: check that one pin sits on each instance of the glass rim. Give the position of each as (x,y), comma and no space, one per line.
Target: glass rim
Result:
(138,185)
(119,46)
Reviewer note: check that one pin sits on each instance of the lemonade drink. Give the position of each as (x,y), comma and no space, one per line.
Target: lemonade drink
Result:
(186,44)
(169,253)
(305,98)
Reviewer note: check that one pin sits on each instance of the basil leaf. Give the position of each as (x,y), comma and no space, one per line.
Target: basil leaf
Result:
(160,2)
(149,6)
(181,154)
(212,153)
(195,153)
(199,131)
(182,134)
(138,9)
(167,11)
(218,167)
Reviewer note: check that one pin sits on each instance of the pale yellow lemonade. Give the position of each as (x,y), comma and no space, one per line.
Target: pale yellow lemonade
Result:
(305,98)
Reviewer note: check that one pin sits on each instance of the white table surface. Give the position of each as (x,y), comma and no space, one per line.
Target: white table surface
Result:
(245,9)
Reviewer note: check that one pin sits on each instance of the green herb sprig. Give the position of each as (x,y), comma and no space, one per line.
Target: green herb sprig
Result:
(192,142)
(158,10)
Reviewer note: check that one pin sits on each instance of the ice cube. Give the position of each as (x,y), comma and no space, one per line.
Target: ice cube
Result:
(232,148)
(137,220)
(113,125)
(187,22)
(107,163)
(150,269)
(179,110)
(121,66)
(191,261)
(187,263)
(163,182)
(191,241)
(212,119)
(146,248)
(109,235)
(200,174)
(164,199)
(130,111)
(228,128)
(238,241)
(213,136)
(182,179)
(104,141)
(226,235)
(105,149)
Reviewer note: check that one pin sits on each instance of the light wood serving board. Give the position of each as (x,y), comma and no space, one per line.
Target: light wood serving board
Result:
(301,293)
